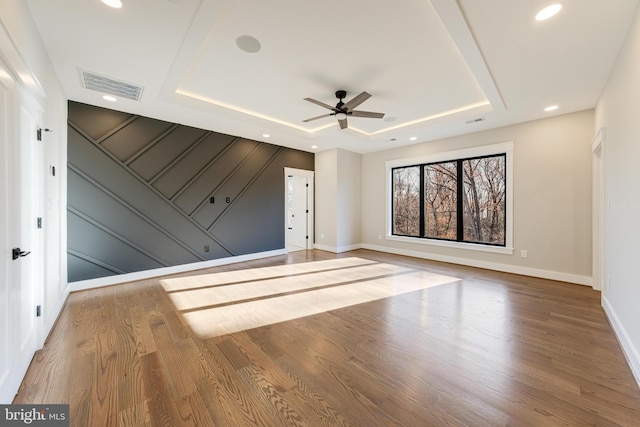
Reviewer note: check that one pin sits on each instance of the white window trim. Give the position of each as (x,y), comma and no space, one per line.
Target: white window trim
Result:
(484,150)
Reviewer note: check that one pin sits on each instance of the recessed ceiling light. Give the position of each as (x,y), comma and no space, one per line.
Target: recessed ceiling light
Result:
(413,138)
(551,108)
(548,12)
(314,146)
(266,135)
(109,98)
(248,43)
(117,4)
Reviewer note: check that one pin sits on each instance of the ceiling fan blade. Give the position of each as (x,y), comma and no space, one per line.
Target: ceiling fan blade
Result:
(359,99)
(366,114)
(322,104)
(319,117)
(343,123)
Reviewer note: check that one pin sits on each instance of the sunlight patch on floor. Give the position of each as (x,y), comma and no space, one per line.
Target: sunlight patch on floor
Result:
(225,277)
(204,297)
(337,284)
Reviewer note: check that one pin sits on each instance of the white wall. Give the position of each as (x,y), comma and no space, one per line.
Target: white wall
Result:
(326,200)
(618,112)
(349,200)
(16,20)
(338,208)
(552,198)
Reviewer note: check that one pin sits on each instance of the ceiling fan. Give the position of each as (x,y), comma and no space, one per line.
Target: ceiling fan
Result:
(342,110)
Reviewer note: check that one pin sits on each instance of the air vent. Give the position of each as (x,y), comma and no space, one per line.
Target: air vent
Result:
(476,120)
(111,86)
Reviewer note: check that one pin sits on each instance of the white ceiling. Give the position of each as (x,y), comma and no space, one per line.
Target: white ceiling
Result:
(430,65)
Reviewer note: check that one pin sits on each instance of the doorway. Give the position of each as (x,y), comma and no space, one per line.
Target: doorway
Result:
(298,209)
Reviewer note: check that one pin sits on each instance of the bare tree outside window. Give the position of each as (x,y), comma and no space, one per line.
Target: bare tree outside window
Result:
(440,197)
(484,200)
(462,200)
(406,201)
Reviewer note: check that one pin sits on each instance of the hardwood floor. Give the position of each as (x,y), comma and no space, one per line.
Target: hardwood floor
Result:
(467,347)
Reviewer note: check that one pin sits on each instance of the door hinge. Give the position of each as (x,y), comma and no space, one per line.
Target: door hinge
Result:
(307,185)
(39,133)
(306,237)
(39,222)
(38,311)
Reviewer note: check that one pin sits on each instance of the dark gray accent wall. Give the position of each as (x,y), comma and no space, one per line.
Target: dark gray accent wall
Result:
(139,193)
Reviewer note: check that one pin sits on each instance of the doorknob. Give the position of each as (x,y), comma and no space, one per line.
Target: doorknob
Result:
(17,253)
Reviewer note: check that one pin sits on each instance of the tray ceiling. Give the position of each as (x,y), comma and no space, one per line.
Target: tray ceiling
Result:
(433,67)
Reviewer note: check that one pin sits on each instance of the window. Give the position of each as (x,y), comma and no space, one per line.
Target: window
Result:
(461,197)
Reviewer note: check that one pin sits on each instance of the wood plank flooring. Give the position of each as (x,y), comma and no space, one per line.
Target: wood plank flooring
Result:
(477,348)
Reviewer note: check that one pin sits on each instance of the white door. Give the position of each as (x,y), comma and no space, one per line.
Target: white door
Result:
(299,209)
(20,196)
(297,213)
(28,237)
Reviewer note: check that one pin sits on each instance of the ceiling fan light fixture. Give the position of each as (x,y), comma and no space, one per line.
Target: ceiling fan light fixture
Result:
(342,109)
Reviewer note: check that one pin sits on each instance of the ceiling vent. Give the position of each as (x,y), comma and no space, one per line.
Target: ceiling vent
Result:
(476,120)
(111,86)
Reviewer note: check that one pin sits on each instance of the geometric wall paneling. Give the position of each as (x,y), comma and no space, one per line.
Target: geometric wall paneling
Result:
(97,122)
(188,164)
(230,185)
(218,170)
(139,193)
(134,137)
(109,175)
(268,196)
(132,199)
(80,267)
(113,252)
(113,214)
(158,157)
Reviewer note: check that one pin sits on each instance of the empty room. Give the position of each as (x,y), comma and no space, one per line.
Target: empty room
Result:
(219,213)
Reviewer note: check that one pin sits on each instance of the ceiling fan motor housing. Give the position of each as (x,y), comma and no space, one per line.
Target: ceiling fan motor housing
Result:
(342,110)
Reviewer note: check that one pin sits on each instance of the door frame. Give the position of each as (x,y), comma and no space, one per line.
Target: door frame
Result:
(310,204)
(8,331)
(598,213)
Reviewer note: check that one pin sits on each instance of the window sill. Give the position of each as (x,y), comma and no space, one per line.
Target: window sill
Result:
(455,245)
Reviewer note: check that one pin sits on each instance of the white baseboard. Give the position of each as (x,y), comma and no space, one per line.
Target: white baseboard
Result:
(336,249)
(525,271)
(630,351)
(51,316)
(325,248)
(148,274)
